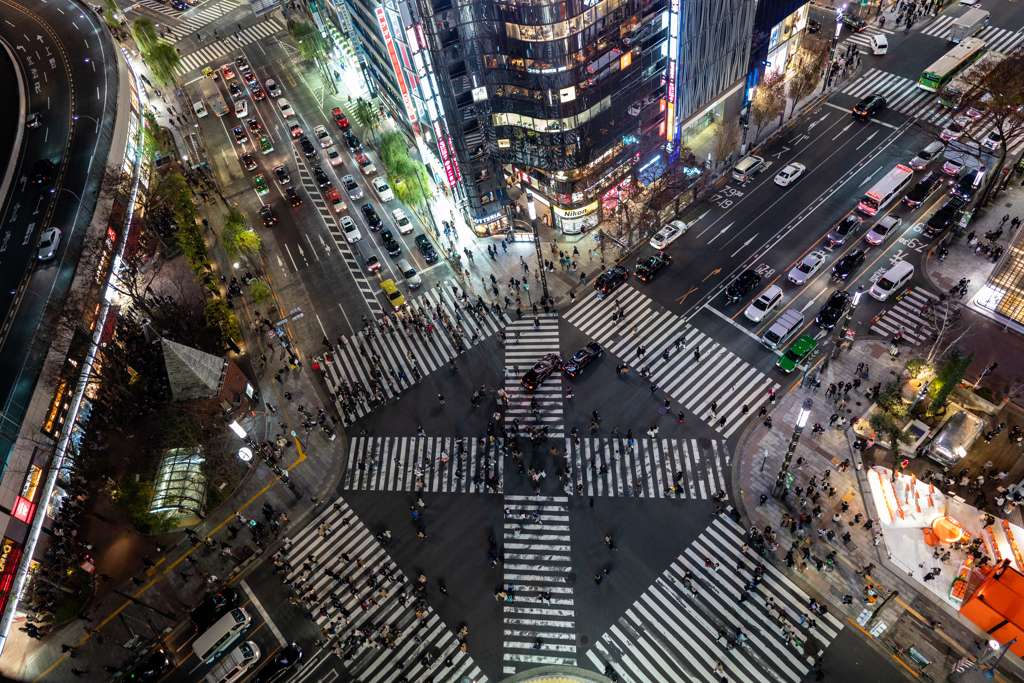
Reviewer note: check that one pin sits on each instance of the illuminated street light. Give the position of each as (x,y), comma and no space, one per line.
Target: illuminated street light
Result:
(785,478)
(245,454)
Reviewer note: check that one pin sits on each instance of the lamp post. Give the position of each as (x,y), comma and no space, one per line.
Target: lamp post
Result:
(801,422)
(990,672)
(963,665)
(531,209)
(83,116)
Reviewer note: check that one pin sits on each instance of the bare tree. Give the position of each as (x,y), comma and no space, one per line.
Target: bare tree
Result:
(768,102)
(724,141)
(805,71)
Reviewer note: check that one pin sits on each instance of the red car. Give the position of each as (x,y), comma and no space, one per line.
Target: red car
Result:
(340,118)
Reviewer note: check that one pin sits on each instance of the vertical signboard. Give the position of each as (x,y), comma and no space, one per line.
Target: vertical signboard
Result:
(673,55)
(390,43)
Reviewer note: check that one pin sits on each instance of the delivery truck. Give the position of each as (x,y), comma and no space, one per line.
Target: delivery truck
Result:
(214,101)
(968,25)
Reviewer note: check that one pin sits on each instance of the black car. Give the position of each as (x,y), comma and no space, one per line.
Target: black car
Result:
(610,279)
(353,141)
(257,93)
(741,286)
(946,217)
(152,668)
(833,310)
(372,219)
(248,162)
(241,63)
(646,269)
(293,197)
(321,178)
(968,185)
(43,172)
(282,175)
(281,664)
(869,106)
(582,358)
(254,125)
(924,188)
(179,5)
(307,147)
(848,265)
(240,135)
(269,217)
(213,608)
(854,22)
(235,90)
(844,229)
(390,243)
(541,371)
(426,248)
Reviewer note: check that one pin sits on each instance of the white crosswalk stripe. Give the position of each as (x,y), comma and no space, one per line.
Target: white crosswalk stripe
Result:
(998,39)
(863,38)
(902,95)
(193,19)
(648,469)
(670,634)
(538,600)
(206,55)
(906,315)
(520,355)
(719,376)
(380,656)
(433,464)
(355,365)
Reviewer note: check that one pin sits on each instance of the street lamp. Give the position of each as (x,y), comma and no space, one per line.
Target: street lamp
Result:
(83,116)
(785,478)
(962,666)
(990,672)
(531,210)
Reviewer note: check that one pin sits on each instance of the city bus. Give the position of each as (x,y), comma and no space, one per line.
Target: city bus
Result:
(892,186)
(953,93)
(939,74)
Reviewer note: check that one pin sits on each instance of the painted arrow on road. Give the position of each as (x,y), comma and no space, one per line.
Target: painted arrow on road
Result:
(814,123)
(716,271)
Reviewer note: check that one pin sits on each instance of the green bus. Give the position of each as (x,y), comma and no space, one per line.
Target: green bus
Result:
(950,64)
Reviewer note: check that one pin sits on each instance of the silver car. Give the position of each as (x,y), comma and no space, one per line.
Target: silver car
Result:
(808,266)
(883,230)
(412,279)
(49,241)
(927,155)
(352,187)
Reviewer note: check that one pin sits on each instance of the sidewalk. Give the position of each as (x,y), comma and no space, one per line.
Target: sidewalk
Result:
(906,616)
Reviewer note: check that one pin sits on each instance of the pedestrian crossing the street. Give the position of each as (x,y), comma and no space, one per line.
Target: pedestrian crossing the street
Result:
(675,633)
(906,315)
(902,95)
(719,377)
(393,354)
(996,39)
(192,19)
(209,53)
(650,468)
(538,597)
(393,641)
(525,344)
(435,465)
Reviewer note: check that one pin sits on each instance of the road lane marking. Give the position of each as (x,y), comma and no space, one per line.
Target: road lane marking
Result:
(266,617)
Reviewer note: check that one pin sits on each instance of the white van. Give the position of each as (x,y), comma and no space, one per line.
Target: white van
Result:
(879,44)
(783,328)
(892,280)
(233,667)
(219,636)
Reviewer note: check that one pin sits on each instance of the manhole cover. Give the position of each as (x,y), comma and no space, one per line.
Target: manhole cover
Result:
(584,640)
(571,577)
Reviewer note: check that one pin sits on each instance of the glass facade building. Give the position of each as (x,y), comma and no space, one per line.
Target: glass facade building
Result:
(1004,291)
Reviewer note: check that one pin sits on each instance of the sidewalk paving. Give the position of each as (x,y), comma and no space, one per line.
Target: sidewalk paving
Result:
(907,616)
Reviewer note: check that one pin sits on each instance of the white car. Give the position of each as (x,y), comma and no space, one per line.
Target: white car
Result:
(323,136)
(383,191)
(807,267)
(286,107)
(332,154)
(763,304)
(402,221)
(241,109)
(200,109)
(789,174)
(668,234)
(955,128)
(273,89)
(48,243)
(351,230)
(992,140)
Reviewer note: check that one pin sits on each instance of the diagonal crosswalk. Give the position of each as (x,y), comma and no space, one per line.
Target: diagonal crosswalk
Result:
(672,634)
(432,464)
(525,344)
(998,39)
(371,606)
(539,618)
(649,468)
(719,376)
(902,95)
(193,18)
(206,55)
(369,371)
(906,315)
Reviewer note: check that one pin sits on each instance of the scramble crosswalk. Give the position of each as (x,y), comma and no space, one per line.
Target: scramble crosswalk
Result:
(193,18)
(208,53)
(538,599)
(902,95)
(435,465)
(525,344)
(862,39)
(395,642)
(357,362)
(673,634)
(997,39)
(719,376)
(648,469)
(906,316)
